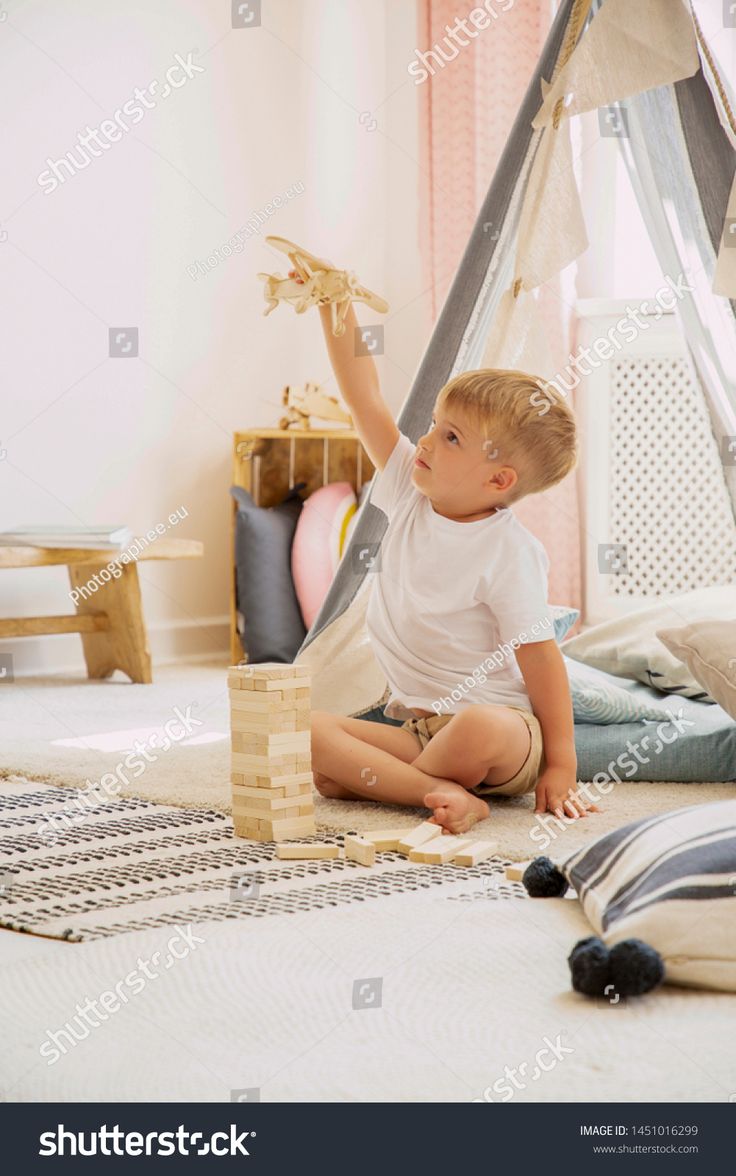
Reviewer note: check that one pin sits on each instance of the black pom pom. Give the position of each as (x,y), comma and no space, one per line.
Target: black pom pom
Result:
(635,967)
(628,969)
(590,969)
(542,879)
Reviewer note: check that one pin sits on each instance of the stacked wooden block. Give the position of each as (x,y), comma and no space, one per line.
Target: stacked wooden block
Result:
(271,753)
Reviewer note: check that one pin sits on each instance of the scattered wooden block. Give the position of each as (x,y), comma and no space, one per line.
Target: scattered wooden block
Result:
(417,836)
(360,849)
(436,852)
(475,852)
(295,851)
(384,840)
(515,872)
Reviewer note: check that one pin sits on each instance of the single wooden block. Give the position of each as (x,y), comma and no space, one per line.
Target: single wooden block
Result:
(417,836)
(248,811)
(265,704)
(262,723)
(258,685)
(294,793)
(440,849)
(269,765)
(359,849)
(268,671)
(299,789)
(474,852)
(283,828)
(515,872)
(264,742)
(384,840)
(283,781)
(264,830)
(265,800)
(306,852)
(247,790)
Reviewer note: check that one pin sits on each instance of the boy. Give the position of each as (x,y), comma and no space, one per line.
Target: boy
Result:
(459,578)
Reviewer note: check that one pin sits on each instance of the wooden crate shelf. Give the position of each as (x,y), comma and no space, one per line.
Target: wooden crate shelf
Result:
(269,462)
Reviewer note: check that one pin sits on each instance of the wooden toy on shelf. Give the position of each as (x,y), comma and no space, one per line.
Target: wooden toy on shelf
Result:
(311,401)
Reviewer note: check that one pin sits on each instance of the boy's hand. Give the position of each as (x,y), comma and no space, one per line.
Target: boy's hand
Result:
(557,793)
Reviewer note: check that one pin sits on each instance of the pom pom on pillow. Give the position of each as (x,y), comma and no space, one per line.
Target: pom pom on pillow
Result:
(319,542)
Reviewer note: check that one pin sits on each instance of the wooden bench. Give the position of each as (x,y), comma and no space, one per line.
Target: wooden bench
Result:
(110,619)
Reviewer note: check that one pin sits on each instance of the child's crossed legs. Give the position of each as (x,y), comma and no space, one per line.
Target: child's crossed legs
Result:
(356,759)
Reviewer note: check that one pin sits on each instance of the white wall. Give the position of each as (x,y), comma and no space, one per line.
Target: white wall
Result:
(93,439)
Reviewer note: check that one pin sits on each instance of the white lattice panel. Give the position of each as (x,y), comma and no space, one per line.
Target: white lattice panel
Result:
(669,506)
(657,514)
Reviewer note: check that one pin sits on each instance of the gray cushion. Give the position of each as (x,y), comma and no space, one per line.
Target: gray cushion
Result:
(273,626)
(702,747)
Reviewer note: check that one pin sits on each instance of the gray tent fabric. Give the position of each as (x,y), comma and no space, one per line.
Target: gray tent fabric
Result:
(681,164)
(471,298)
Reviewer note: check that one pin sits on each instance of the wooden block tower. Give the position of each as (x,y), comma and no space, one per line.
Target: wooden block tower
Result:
(271,753)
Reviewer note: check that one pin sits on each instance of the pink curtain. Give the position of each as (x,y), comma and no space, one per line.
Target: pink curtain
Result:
(467,108)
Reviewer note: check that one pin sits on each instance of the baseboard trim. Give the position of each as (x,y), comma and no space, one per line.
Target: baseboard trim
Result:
(193,640)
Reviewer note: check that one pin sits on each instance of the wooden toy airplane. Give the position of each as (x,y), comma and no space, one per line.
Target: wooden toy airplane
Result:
(317,284)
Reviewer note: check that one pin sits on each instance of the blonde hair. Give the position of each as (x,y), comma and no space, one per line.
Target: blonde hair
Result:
(522,418)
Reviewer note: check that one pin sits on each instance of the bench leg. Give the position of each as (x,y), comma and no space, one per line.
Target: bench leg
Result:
(124,646)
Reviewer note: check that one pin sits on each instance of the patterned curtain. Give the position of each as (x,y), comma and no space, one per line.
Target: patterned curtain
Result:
(467,104)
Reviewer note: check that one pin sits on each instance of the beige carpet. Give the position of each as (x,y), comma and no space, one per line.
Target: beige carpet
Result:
(68,730)
(463,989)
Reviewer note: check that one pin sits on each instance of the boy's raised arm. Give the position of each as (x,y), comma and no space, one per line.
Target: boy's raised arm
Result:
(357,379)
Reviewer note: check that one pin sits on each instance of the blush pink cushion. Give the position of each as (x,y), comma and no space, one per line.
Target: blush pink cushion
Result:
(319,542)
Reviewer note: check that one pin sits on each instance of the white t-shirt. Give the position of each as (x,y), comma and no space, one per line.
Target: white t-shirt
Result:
(448,598)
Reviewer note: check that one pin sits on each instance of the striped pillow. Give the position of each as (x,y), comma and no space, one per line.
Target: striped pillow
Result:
(666,883)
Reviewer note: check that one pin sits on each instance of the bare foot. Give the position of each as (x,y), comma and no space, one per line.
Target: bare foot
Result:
(456,809)
(327,787)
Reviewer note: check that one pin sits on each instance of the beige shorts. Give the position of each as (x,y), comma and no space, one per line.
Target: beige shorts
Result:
(525,779)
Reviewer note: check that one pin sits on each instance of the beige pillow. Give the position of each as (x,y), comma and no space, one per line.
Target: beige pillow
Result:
(708,649)
(627,646)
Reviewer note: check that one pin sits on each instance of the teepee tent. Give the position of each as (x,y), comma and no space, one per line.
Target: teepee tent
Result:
(647,61)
